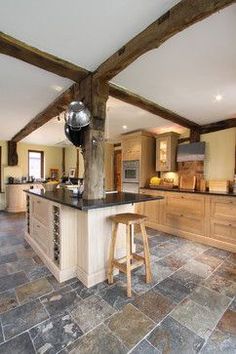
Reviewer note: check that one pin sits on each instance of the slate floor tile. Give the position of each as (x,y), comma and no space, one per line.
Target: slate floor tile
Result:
(25,253)
(56,285)
(19,345)
(172,338)
(55,334)
(144,348)
(1,334)
(22,318)
(85,292)
(21,265)
(232,258)
(233,305)
(58,302)
(227,270)
(172,289)
(198,268)
(163,249)
(223,338)
(37,272)
(12,257)
(33,290)
(10,240)
(116,295)
(138,282)
(195,317)
(212,261)
(90,312)
(99,341)
(216,252)
(172,262)
(8,301)
(130,325)
(220,284)
(189,280)
(3,270)
(154,305)
(12,280)
(212,300)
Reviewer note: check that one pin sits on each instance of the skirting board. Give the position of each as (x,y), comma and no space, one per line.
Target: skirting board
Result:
(93,279)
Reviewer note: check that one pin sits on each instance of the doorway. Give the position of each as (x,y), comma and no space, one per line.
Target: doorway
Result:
(117,170)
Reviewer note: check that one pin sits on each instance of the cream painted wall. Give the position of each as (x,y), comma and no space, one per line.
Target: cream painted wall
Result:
(52,159)
(220,154)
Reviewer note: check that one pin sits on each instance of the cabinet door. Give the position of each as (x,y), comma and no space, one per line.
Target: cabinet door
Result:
(40,208)
(223,208)
(163,158)
(223,231)
(41,236)
(151,210)
(131,149)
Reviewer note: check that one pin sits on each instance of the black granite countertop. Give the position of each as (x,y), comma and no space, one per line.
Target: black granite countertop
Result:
(17,183)
(229,194)
(65,197)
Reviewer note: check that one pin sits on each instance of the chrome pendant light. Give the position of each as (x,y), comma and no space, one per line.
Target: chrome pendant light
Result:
(77,115)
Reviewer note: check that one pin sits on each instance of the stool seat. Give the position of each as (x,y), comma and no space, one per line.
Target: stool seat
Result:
(128,218)
(132,260)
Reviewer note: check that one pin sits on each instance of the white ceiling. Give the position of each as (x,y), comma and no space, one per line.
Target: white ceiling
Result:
(24,91)
(188,70)
(118,114)
(183,75)
(85,32)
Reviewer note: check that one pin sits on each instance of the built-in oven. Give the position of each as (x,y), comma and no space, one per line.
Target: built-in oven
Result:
(130,171)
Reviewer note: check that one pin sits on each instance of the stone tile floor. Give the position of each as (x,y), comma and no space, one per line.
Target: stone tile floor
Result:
(189,307)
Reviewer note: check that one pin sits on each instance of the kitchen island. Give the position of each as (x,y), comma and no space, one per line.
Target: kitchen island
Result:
(72,235)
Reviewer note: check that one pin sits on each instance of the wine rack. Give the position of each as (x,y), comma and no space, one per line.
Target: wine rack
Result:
(28,213)
(56,235)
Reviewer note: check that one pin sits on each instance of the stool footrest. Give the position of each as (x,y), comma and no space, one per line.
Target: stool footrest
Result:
(123,266)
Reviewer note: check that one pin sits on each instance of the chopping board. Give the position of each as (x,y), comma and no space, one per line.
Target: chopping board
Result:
(187,182)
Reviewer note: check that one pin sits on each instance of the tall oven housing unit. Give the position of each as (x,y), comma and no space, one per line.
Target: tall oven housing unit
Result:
(138,160)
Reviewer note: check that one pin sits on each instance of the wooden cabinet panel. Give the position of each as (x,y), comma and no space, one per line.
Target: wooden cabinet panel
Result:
(223,231)
(185,223)
(40,209)
(186,204)
(131,149)
(41,236)
(223,208)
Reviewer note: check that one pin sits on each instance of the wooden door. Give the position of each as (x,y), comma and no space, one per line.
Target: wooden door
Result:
(117,170)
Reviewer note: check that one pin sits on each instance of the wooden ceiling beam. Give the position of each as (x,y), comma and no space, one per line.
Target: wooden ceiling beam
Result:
(220,125)
(51,111)
(179,17)
(22,51)
(147,105)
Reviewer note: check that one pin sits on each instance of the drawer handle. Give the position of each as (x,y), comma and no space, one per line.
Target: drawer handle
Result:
(230,224)
(181,215)
(38,226)
(38,201)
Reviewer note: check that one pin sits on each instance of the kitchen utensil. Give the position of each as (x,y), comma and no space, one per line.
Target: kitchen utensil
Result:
(77,116)
(76,137)
(187,182)
(219,185)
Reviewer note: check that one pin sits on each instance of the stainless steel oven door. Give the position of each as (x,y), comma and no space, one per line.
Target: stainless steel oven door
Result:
(130,171)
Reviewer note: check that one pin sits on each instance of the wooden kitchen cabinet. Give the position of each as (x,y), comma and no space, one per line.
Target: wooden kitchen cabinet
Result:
(16,197)
(199,217)
(131,149)
(166,145)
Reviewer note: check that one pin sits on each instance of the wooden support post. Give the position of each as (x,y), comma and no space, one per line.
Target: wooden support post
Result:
(12,153)
(63,161)
(194,135)
(94,94)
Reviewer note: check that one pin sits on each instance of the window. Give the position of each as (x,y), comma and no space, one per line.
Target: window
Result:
(36,163)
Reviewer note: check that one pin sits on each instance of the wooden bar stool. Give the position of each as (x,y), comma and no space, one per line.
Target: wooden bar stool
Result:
(132,260)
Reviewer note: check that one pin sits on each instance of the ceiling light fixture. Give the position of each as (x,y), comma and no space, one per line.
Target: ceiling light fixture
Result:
(124,127)
(57,88)
(218,97)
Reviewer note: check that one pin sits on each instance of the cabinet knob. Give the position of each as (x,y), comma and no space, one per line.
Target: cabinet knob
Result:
(230,224)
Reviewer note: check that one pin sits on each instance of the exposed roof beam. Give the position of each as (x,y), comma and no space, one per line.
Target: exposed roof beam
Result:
(20,50)
(179,17)
(220,125)
(147,105)
(54,109)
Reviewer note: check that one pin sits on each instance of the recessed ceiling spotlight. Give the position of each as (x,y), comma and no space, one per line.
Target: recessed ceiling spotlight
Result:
(124,127)
(57,88)
(218,97)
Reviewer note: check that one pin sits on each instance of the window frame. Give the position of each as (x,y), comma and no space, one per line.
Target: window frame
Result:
(42,161)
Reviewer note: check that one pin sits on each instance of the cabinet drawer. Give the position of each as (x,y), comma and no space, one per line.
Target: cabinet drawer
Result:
(223,208)
(185,223)
(41,210)
(41,235)
(191,206)
(223,231)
